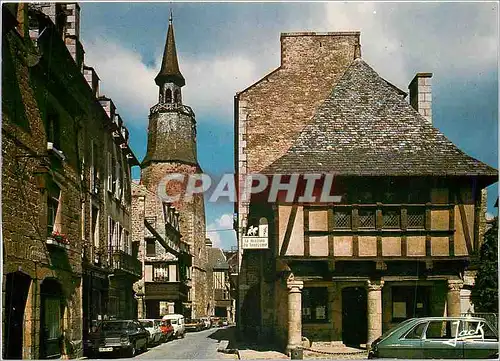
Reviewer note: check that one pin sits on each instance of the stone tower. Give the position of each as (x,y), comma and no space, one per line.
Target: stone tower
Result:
(172,150)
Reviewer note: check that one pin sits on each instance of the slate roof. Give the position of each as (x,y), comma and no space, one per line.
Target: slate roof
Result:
(366,128)
(216,259)
(170,66)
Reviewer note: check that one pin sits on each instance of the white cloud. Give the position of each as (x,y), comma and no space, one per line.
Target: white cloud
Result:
(211,82)
(220,232)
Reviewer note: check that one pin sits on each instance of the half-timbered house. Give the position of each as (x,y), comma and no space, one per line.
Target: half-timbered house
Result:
(374,215)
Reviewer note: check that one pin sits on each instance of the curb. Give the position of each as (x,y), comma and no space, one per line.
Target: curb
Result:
(223,348)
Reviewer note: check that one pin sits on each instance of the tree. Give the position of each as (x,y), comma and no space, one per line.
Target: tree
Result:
(485,292)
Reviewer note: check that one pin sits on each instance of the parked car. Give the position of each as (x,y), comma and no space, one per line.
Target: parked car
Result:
(153,327)
(178,322)
(119,336)
(215,321)
(167,330)
(206,322)
(194,325)
(438,337)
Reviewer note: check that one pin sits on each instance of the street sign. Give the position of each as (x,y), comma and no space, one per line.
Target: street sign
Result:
(250,242)
(256,236)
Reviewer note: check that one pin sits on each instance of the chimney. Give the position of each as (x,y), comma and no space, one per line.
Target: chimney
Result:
(208,242)
(421,95)
(72,33)
(92,79)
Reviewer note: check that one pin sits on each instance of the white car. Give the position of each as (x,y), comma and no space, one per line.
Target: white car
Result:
(178,323)
(206,322)
(153,327)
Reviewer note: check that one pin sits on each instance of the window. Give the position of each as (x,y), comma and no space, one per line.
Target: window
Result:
(177,96)
(442,329)
(409,301)
(367,218)
(160,272)
(110,172)
(118,181)
(476,329)
(342,219)
(150,248)
(416,218)
(391,218)
(53,211)
(127,248)
(111,234)
(416,332)
(315,304)
(52,128)
(95,177)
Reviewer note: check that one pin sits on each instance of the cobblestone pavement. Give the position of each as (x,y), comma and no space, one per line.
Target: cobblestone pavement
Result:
(195,345)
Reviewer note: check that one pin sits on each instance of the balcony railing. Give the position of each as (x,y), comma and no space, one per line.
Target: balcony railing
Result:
(126,263)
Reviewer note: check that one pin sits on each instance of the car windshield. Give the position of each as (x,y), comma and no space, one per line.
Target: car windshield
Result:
(174,322)
(114,326)
(147,323)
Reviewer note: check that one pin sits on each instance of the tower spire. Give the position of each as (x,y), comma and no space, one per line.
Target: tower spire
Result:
(169,71)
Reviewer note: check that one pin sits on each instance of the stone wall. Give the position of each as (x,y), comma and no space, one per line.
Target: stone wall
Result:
(171,136)
(27,173)
(192,225)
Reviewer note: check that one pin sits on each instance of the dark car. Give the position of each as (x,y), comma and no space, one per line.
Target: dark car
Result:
(120,336)
(438,337)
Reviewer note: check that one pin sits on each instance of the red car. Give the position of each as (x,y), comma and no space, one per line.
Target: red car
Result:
(167,330)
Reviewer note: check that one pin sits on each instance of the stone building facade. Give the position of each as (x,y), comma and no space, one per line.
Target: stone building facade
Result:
(53,127)
(172,150)
(166,259)
(220,283)
(375,216)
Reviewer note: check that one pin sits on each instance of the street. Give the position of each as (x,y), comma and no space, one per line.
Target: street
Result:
(195,345)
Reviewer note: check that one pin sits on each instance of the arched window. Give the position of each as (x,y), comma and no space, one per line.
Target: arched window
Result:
(177,96)
(168,96)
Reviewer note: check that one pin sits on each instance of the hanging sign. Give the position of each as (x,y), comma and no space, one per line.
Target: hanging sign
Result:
(256,237)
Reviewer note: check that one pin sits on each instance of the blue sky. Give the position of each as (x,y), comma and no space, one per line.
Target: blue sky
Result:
(225,47)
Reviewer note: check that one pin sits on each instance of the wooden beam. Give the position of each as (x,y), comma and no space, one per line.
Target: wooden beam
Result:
(465,224)
(330,236)
(451,222)
(307,245)
(289,229)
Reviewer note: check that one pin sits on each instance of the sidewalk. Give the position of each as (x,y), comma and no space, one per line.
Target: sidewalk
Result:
(262,351)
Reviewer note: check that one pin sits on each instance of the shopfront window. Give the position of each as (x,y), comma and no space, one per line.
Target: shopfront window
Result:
(409,301)
(314,305)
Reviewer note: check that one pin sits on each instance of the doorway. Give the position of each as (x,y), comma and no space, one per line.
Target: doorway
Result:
(354,316)
(51,315)
(16,294)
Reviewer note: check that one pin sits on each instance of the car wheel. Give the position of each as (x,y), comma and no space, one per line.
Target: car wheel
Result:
(183,334)
(132,350)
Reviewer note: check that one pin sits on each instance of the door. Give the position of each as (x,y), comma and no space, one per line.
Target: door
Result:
(354,316)
(480,341)
(408,346)
(16,293)
(51,317)
(441,341)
